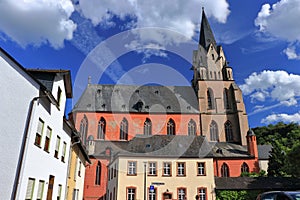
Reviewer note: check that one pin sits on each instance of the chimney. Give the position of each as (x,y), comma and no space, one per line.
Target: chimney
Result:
(251,143)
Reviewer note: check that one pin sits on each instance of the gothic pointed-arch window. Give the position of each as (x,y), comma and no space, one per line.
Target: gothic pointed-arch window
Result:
(84,129)
(226,98)
(101,128)
(171,127)
(224,170)
(192,127)
(210,99)
(98,174)
(228,131)
(124,129)
(148,127)
(244,168)
(214,133)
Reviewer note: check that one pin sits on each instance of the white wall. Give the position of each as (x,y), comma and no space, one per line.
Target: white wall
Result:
(17,89)
(40,164)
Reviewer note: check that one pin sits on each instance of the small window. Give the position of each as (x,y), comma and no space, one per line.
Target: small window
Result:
(201,169)
(39,133)
(225,170)
(148,127)
(40,190)
(63,155)
(228,131)
(131,194)
(79,168)
(152,169)
(153,194)
(59,192)
(57,147)
(244,168)
(171,127)
(214,132)
(182,194)
(192,127)
(167,169)
(131,168)
(30,188)
(84,129)
(156,92)
(210,99)
(181,169)
(59,91)
(124,129)
(98,174)
(101,128)
(202,193)
(212,56)
(47,139)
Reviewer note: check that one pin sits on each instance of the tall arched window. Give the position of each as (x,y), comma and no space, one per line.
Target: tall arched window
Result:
(148,127)
(244,168)
(98,174)
(124,129)
(214,133)
(225,170)
(228,131)
(210,99)
(84,129)
(101,128)
(192,127)
(171,127)
(226,99)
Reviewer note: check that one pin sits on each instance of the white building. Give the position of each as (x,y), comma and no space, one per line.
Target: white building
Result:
(35,138)
(18,89)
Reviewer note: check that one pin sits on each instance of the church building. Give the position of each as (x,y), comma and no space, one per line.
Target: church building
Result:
(212,108)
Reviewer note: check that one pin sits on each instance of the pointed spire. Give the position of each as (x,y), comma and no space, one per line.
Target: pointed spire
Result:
(206,34)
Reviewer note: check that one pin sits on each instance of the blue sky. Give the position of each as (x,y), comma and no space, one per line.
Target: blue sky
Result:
(151,42)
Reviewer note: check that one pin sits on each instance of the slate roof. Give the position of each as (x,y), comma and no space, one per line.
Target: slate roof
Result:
(129,98)
(257,183)
(171,146)
(206,34)
(264,151)
(229,150)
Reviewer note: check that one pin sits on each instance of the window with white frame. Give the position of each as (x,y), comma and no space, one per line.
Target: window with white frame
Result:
(152,194)
(30,188)
(40,190)
(47,139)
(202,193)
(181,169)
(131,193)
(152,168)
(181,194)
(39,133)
(167,166)
(131,168)
(201,168)
(57,147)
(63,155)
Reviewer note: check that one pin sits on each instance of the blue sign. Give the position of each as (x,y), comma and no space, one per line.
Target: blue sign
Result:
(151,188)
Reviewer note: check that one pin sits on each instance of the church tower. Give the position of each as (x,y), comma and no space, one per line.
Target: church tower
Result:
(222,111)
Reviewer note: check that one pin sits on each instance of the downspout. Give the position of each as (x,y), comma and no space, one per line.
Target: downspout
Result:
(22,150)
(24,144)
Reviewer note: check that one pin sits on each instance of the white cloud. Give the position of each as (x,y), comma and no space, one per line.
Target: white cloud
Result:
(291,53)
(280,20)
(37,21)
(282,117)
(179,16)
(277,85)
